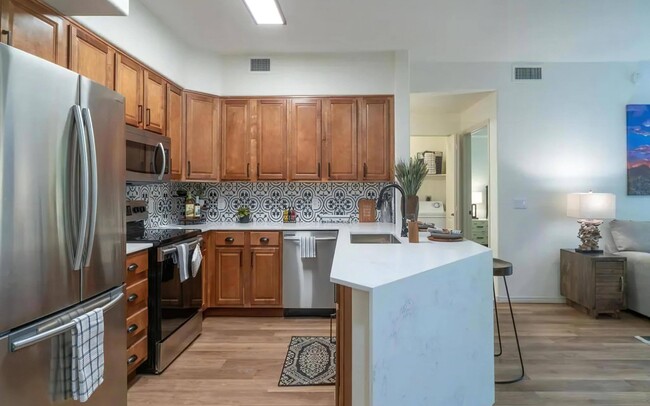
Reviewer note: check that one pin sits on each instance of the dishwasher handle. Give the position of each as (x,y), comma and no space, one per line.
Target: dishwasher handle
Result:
(292,238)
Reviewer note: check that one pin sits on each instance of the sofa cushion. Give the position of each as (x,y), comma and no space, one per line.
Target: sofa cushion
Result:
(631,235)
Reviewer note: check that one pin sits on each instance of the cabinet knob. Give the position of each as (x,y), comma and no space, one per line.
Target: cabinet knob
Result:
(230,240)
(264,240)
(131,359)
(132,267)
(132,328)
(132,297)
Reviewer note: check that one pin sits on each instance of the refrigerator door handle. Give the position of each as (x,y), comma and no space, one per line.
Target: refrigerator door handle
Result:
(164,160)
(83,223)
(93,183)
(47,334)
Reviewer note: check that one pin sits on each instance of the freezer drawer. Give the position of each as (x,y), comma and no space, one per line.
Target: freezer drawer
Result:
(27,374)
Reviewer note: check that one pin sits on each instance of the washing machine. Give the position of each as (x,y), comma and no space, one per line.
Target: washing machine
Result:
(432,212)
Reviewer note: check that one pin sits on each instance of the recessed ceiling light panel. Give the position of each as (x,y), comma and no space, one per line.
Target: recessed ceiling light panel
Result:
(265,11)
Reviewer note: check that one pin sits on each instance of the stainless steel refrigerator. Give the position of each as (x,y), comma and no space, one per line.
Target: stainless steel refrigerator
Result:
(62,232)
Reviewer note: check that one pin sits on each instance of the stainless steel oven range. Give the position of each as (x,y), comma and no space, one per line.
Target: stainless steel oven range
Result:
(175,314)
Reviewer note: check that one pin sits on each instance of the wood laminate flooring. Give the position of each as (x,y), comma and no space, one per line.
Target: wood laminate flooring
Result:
(570,360)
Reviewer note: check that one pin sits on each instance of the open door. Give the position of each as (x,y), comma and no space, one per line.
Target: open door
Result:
(464,184)
(451,189)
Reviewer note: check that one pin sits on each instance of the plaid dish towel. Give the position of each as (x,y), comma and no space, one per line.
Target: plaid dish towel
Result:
(87,354)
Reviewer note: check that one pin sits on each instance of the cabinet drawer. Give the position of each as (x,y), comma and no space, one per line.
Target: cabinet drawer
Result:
(136,354)
(265,238)
(227,239)
(609,265)
(137,266)
(136,296)
(135,325)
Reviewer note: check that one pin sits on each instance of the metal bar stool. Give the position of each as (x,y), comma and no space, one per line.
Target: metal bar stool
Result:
(503,269)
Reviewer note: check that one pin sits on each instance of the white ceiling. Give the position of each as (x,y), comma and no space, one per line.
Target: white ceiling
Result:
(427,103)
(440,30)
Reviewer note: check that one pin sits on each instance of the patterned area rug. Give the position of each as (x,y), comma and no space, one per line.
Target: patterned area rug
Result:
(310,361)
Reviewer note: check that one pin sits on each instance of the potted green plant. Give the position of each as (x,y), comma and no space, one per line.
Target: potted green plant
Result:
(244,214)
(410,176)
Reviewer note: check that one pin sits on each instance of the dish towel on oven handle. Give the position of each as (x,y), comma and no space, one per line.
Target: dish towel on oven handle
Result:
(183,261)
(197,257)
(87,354)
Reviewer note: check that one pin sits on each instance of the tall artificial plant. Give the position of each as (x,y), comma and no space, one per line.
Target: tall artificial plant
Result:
(411,174)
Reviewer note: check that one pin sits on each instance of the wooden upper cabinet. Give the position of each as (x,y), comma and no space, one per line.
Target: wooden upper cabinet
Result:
(271,128)
(305,139)
(128,82)
(33,28)
(201,118)
(265,277)
(340,140)
(175,129)
(235,139)
(228,277)
(91,57)
(376,136)
(155,96)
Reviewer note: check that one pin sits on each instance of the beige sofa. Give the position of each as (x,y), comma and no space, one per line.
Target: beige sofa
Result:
(631,239)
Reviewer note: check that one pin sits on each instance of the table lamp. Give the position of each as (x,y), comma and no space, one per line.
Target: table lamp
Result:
(590,209)
(477,198)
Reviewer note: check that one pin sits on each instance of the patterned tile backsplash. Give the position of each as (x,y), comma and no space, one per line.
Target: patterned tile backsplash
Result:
(266,200)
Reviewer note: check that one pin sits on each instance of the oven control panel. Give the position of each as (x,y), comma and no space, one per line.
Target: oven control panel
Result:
(136,210)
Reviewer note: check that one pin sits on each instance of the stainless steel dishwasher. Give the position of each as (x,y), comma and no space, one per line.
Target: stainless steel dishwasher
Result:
(307,290)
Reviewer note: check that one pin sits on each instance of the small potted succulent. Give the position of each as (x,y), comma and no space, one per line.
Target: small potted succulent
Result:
(244,214)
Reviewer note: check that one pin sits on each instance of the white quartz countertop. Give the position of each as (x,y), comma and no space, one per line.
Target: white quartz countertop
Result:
(368,266)
(135,247)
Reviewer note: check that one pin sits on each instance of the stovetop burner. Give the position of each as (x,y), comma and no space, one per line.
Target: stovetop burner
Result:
(158,236)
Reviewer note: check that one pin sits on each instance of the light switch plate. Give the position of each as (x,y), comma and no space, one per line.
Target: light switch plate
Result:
(520,204)
(221,203)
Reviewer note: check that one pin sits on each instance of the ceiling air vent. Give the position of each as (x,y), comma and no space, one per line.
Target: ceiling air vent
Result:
(527,73)
(260,65)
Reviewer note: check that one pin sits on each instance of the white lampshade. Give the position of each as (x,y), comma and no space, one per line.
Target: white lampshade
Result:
(477,197)
(590,205)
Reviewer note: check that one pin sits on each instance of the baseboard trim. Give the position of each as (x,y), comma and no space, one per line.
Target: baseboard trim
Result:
(532,299)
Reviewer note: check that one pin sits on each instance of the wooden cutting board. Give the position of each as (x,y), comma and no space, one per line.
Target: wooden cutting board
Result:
(367,210)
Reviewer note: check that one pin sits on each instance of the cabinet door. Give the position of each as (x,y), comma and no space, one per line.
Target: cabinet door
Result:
(265,277)
(340,127)
(228,273)
(200,137)
(128,82)
(175,129)
(610,285)
(305,139)
(376,139)
(91,57)
(235,140)
(272,139)
(33,28)
(155,107)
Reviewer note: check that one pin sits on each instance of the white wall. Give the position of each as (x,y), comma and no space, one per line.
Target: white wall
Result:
(145,37)
(435,123)
(311,74)
(563,134)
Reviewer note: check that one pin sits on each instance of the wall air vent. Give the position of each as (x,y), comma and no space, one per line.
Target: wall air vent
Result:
(527,73)
(260,65)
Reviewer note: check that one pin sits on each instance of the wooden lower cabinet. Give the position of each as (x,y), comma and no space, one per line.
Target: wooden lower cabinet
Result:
(229,272)
(343,387)
(265,277)
(246,274)
(137,312)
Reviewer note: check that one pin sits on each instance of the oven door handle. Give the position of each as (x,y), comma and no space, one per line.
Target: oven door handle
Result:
(164,251)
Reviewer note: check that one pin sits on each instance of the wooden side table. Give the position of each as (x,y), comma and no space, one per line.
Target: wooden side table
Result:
(594,283)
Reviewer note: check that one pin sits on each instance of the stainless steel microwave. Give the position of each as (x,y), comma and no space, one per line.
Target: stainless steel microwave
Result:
(147,156)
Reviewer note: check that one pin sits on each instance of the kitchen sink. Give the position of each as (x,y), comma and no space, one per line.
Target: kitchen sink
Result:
(374,239)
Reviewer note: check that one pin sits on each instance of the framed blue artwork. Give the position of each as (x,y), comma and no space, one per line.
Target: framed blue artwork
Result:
(638,149)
